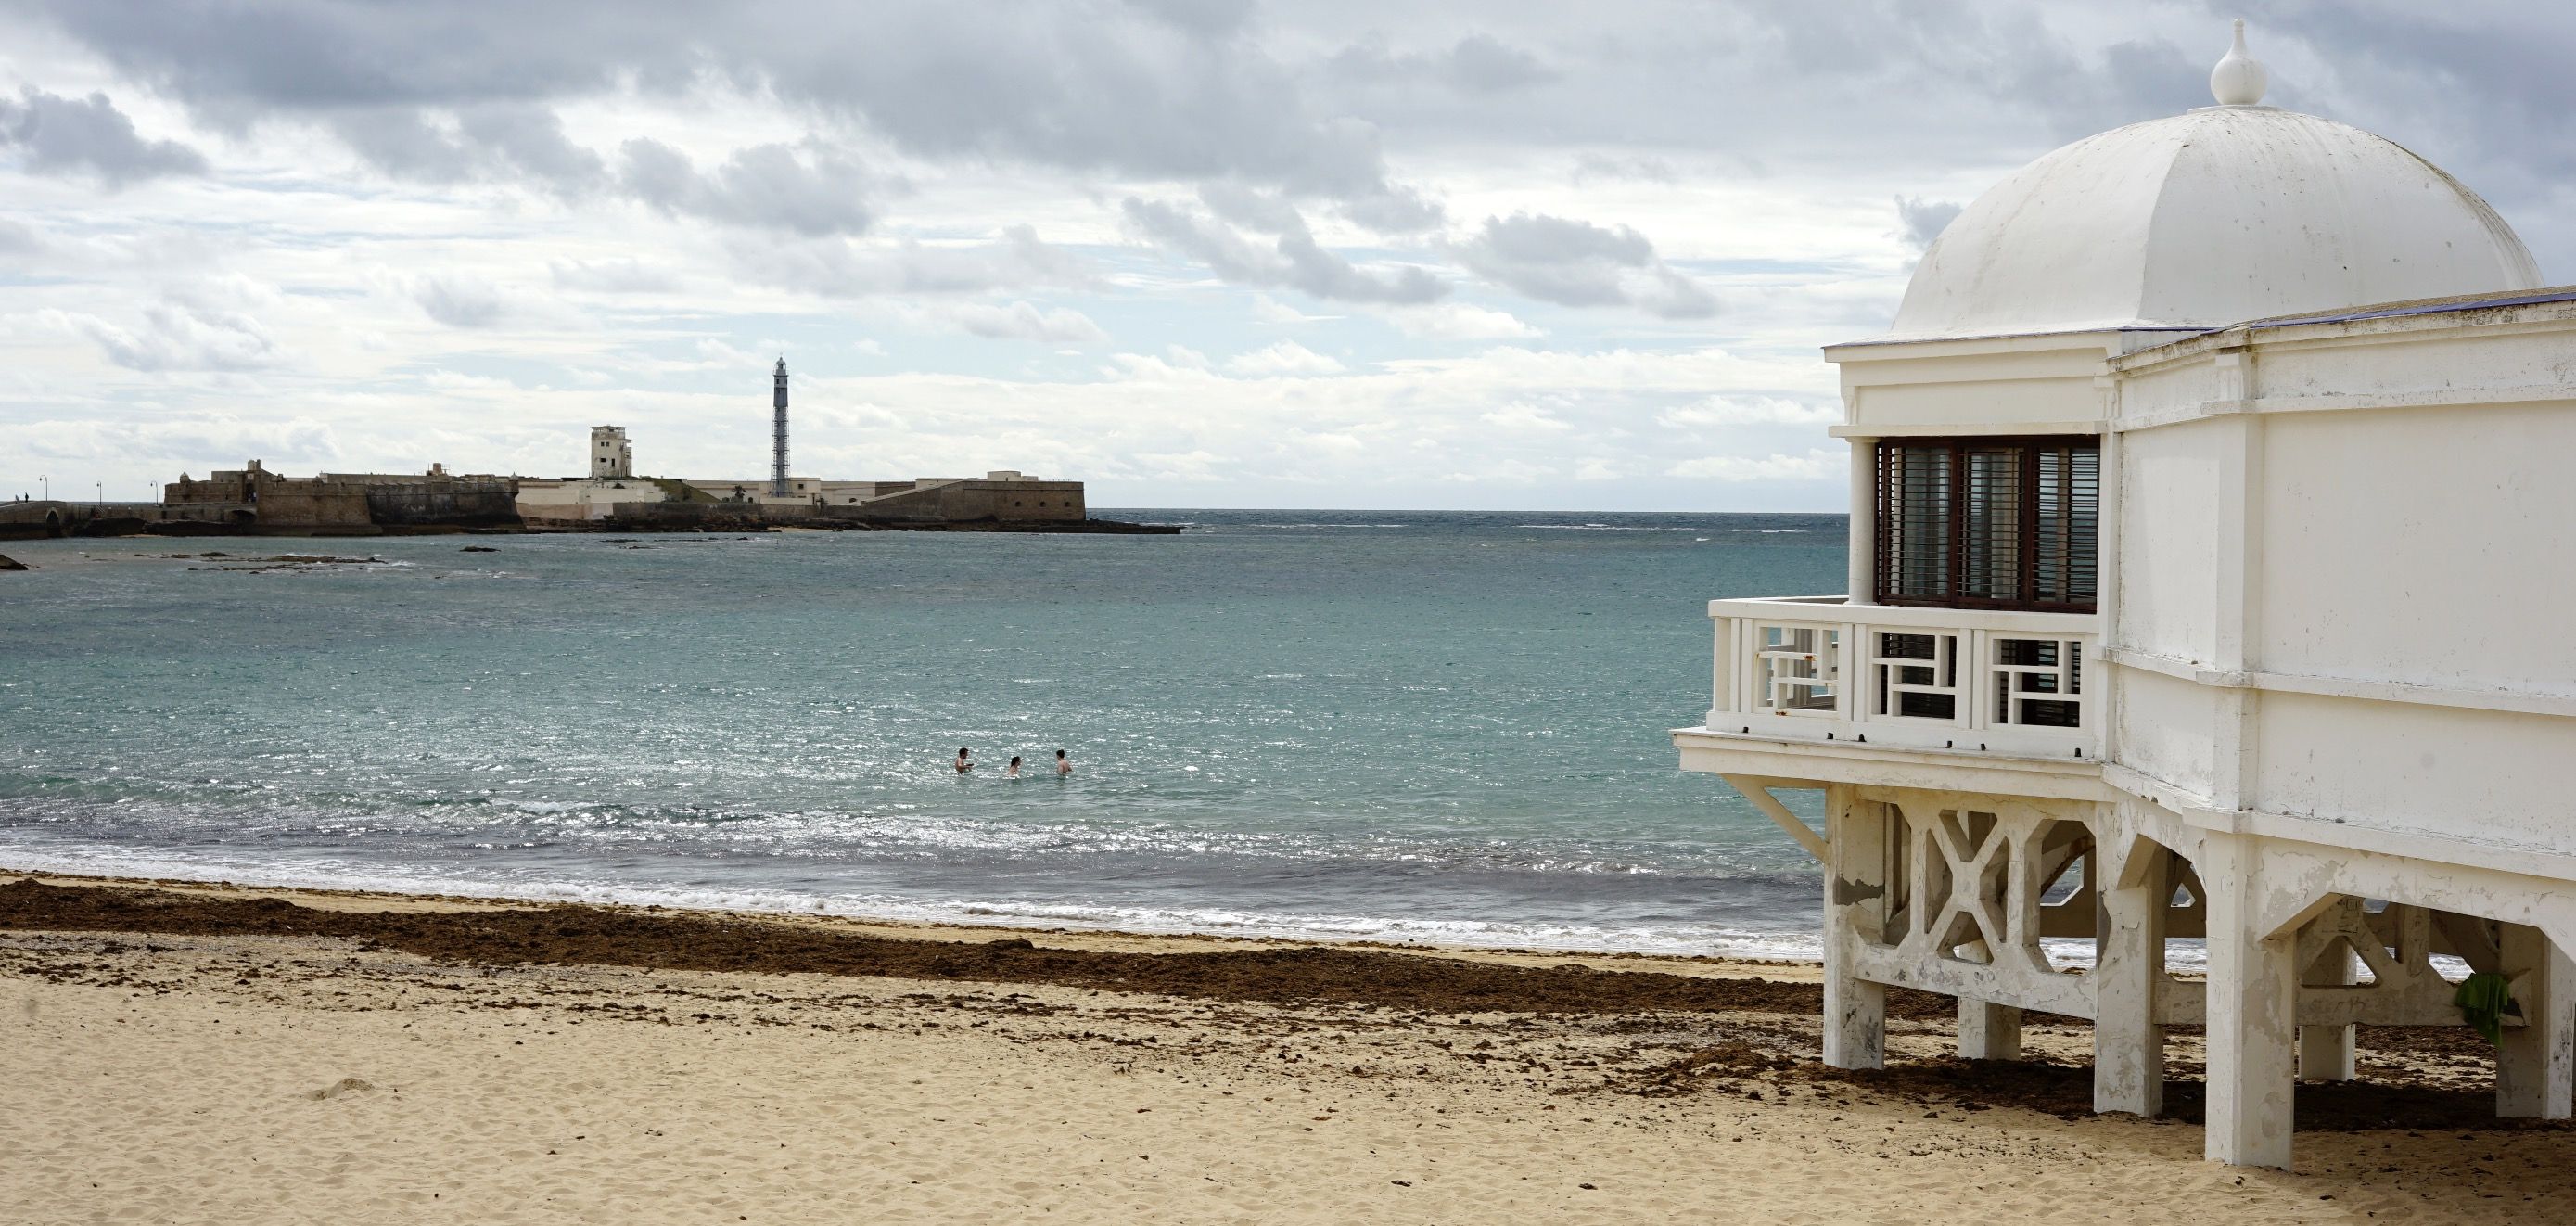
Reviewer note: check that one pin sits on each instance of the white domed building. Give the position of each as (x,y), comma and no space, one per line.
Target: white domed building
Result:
(2211,558)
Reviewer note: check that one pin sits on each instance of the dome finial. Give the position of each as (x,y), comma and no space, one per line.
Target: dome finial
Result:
(2239,78)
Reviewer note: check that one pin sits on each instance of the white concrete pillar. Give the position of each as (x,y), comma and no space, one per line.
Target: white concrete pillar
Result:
(1862,580)
(2326,1052)
(2253,1013)
(2536,1064)
(1855,906)
(1988,1031)
(2128,979)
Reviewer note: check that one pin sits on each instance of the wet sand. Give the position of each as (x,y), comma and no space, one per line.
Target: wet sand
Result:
(192,1053)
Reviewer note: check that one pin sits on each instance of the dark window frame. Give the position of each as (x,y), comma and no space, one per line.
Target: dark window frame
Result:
(1950,562)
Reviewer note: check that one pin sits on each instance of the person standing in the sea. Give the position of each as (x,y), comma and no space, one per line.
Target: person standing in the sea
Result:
(963,765)
(1063,765)
(1014,771)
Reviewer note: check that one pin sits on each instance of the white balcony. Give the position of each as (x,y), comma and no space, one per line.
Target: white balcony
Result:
(1976,681)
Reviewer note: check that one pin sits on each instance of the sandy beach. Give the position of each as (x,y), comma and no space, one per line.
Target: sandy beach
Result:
(192,1053)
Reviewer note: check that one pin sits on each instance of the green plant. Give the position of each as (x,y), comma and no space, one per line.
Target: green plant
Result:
(2484,999)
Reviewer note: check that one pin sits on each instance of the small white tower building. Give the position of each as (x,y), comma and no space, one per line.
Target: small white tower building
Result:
(2193,596)
(610,455)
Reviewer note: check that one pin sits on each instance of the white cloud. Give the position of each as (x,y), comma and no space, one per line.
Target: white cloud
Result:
(1719,411)
(834,267)
(1456,321)
(221,436)
(1283,358)
(455,381)
(1818,464)
(1524,419)
(1023,322)
(1270,310)
(624,275)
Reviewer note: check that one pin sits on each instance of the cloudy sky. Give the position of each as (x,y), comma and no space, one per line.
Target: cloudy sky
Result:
(1311,254)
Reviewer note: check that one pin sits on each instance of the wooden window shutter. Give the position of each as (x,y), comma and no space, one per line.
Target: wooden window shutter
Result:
(1988,522)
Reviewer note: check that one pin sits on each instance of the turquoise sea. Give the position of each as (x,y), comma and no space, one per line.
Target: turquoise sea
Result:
(1389,725)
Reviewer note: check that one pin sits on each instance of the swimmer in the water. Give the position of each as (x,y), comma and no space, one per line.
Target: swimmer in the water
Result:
(1063,765)
(1014,771)
(963,765)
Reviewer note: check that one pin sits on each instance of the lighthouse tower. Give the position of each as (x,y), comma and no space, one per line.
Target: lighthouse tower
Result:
(778,446)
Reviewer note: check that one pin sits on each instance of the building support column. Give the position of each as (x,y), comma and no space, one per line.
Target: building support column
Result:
(2253,1013)
(1861,583)
(2536,1063)
(2326,1052)
(1856,887)
(2129,974)
(1988,1031)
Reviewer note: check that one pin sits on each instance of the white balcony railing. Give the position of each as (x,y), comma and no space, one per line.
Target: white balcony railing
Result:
(1973,680)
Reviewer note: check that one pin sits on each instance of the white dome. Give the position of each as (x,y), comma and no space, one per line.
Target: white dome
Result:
(2209,218)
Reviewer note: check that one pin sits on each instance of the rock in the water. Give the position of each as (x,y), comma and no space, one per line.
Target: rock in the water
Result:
(12,564)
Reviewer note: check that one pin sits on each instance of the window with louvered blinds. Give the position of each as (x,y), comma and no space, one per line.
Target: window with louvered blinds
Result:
(1989,522)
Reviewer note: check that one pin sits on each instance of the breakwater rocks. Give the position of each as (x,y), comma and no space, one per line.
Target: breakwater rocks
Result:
(7,563)
(283,561)
(1100,527)
(697,521)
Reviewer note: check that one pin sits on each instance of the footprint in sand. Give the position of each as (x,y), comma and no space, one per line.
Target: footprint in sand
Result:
(345,1085)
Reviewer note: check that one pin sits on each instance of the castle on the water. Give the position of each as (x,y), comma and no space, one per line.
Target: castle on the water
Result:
(610,496)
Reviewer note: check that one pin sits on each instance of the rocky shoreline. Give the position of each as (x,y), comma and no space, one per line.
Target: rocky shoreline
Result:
(626,524)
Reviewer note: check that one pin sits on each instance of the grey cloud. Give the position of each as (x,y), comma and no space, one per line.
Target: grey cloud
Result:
(1397,210)
(1023,322)
(1482,63)
(402,143)
(2441,78)
(459,303)
(501,141)
(1576,263)
(811,189)
(1179,90)
(1170,90)
(16,239)
(531,139)
(1918,222)
(182,335)
(1268,213)
(1293,99)
(2012,59)
(842,269)
(1207,17)
(1293,259)
(1593,165)
(1477,64)
(68,135)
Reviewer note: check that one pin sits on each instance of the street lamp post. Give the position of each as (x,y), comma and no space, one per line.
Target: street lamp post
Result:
(49,486)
